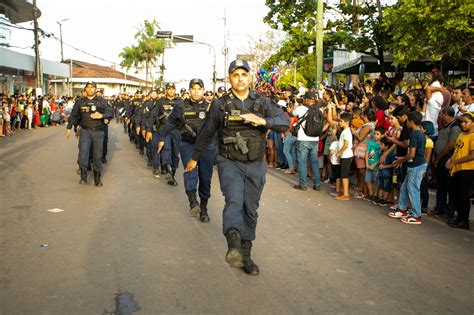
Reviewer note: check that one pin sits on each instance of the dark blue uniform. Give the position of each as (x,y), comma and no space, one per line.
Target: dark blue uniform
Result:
(189,117)
(241,175)
(91,135)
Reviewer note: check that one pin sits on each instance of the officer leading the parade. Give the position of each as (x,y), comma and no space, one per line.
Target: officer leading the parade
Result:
(89,113)
(189,117)
(241,119)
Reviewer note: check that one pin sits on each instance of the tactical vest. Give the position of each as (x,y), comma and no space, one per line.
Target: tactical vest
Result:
(88,107)
(166,110)
(235,130)
(193,116)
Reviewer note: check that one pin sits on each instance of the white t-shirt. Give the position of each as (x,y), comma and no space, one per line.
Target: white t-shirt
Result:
(333,148)
(299,112)
(346,134)
(457,112)
(434,106)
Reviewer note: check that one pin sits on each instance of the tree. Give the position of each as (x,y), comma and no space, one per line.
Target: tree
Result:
(436,30)
(262,48)
(146,51)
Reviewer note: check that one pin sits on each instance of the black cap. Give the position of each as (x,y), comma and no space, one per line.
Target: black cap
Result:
(236,64)
(160,90)
(209,93)
(154,90)
(182,90)
(91,83)
(170,85)
(196,81)
(221,89)
(138,91)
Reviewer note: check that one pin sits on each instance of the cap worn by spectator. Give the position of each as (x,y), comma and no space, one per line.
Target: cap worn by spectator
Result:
(311,95)
(196,81)
(239,64)
(282,103)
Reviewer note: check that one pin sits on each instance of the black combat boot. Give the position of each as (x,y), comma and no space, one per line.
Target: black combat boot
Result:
(104,160)
(142,151)
(83,176)
(172,181)
(157,170)
(193,203)
(234,253)
(249,266)
(97,181)
(203,216)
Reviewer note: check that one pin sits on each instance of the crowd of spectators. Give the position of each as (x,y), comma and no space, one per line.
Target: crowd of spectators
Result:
(25,111)
(388,147)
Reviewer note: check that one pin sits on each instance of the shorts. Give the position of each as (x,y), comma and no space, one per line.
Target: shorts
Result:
(336,171)
(345,167)
(385,183)
(370,176)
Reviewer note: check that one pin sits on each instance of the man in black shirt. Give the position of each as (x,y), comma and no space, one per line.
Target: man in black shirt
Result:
(241,119)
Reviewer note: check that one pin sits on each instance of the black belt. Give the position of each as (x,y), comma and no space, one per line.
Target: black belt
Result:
(100,128)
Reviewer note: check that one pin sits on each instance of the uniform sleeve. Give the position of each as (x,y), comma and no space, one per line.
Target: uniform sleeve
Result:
(276,118)
(152,118)
(213,122)
(108,111)
(75,115)
(173,121)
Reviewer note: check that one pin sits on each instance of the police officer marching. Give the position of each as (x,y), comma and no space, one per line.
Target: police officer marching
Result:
(241,119)
(189,117)
(89,113)
(152,125)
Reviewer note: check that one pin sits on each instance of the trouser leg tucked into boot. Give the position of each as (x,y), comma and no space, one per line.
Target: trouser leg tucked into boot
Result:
(234,253)
(193,203)
(97,180)
(172,172)
(83,176)
(249,266)
(203,216)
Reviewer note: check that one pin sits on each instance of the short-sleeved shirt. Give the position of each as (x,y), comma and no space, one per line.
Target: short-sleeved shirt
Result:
(417,141)
(333,153)
(299,112)
(346,135)
(404,135)
(373,152)
(387,172)
(448,134)
(464,144)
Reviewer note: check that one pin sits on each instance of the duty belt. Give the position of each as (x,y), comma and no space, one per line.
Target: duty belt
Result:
(99,128)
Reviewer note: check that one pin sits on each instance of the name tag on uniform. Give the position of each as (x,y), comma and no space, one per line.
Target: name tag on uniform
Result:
(85,109)
(235,118)
(190,113)
(168,107)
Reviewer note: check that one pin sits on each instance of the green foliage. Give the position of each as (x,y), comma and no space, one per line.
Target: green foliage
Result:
(147,49)
(289,79)
(437,30)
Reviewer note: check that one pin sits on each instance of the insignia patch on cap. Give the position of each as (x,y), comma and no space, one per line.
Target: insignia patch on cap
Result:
(239,63)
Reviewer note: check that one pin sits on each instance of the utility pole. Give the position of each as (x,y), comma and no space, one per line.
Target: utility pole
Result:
(225,50)
(319,40)
(38,72)
(61,36)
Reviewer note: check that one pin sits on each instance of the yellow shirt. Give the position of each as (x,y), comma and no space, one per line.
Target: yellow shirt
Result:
(429,144)
(464,144)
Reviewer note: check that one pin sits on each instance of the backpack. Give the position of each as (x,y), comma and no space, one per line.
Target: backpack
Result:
(314,122)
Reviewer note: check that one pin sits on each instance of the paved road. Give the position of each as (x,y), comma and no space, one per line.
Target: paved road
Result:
(131,245)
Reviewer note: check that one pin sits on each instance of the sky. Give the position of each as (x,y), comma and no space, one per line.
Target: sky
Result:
(104,27)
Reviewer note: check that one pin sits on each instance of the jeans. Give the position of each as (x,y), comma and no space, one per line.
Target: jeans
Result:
(289,149)
(410,190)
(279,149)
(305,149)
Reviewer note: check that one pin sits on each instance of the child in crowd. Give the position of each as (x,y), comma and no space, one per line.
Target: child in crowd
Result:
(385,173)
(416,169)
(333,159)
(428,129)
(372,156)
(345,154)
(357,121)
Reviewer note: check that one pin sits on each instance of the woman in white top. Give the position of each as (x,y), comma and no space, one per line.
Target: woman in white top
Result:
(434,99)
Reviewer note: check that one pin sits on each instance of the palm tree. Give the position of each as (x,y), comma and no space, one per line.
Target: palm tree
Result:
(146,51)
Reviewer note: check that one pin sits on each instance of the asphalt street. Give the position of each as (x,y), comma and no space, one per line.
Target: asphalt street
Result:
(131,246)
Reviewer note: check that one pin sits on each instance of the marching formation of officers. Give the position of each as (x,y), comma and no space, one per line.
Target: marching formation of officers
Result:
(228,129)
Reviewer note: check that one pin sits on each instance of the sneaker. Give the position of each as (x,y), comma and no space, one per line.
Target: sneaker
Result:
(327,181)
(399,214)
(300,187)
(424,212)
(411,220)
(317,187)
(368,198)
(383,202)
(375,200)
(394,207)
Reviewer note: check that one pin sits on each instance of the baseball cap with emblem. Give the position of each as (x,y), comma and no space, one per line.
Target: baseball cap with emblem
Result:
(196,81)
(160,90)
(90,83)
(170,85)
(236,64)
(221,89)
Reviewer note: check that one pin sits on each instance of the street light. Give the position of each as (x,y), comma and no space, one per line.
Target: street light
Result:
(61,36)
(190,39)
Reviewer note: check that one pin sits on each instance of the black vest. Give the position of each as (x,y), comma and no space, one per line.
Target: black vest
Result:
(193,116)
(167,108)
(254,137)
(88,107)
